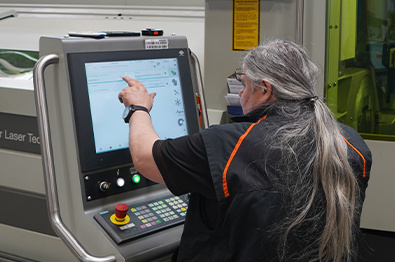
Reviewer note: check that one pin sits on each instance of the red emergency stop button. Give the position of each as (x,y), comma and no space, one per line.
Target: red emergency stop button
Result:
(120,211)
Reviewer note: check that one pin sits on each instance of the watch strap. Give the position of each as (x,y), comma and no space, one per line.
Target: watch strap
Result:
(134,108)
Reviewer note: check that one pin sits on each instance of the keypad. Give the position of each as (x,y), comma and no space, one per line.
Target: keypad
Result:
(146,218)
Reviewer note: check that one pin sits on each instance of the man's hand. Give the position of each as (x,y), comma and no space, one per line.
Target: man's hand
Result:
(136,94)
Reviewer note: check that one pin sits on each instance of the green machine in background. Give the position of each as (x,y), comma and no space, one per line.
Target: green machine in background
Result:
(359,82)
(359,88)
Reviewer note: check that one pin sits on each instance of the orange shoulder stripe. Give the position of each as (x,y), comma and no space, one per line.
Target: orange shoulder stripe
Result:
(359,153)
(224,181)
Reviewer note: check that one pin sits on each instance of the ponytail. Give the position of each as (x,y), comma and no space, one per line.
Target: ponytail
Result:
(339,184)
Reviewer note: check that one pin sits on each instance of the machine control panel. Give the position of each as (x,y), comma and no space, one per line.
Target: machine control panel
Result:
(127,222)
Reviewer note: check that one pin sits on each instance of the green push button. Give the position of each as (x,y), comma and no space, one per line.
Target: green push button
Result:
(136,179)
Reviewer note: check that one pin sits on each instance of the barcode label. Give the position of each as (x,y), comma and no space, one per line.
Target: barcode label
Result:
(156,44)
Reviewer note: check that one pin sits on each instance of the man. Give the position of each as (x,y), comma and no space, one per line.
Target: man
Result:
(285,182)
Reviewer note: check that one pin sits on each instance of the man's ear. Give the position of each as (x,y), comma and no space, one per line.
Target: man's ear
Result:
(267,91)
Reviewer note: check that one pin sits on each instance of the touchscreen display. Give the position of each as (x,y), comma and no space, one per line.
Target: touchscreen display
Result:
(104,81)
(95,82)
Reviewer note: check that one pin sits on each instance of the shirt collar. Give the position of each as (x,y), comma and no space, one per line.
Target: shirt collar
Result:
(252,116)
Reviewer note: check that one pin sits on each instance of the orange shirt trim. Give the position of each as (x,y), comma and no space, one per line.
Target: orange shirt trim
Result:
(239,142)
(360,154)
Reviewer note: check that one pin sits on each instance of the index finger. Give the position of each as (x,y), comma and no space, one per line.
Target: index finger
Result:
(128,80)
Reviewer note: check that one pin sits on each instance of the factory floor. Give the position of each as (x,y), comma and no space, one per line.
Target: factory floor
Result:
(375,246)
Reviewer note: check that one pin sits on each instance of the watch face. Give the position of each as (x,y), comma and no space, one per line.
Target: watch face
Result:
(126,112)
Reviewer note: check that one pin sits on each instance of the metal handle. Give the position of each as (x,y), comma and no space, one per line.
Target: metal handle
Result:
(48,167)
(299,21)
(200,89)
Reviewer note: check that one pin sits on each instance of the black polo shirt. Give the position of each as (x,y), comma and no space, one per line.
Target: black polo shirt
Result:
(230,210)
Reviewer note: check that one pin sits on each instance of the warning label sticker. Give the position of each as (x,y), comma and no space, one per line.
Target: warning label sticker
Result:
(246,16)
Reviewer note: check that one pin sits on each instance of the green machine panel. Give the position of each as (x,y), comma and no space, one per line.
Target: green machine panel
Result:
(359,72)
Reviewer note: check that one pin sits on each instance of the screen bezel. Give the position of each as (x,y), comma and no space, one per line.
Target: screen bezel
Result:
(89,159)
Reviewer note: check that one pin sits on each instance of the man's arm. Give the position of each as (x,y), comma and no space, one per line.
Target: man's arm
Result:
(141,132)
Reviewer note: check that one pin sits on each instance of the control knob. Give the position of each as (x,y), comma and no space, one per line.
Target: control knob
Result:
(104,186)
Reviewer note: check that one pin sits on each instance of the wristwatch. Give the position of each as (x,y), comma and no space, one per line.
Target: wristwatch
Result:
(129,110)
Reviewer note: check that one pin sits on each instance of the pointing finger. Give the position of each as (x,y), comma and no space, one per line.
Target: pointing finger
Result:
(127,80)
(152,95)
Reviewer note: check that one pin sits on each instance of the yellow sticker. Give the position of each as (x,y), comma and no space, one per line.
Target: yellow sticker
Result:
(246,16)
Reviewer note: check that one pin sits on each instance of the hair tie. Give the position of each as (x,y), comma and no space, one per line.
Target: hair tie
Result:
(313,99)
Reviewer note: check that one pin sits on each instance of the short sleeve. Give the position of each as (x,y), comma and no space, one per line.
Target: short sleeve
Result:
(184,165)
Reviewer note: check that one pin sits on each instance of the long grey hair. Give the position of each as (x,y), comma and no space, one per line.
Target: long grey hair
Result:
(310,142)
